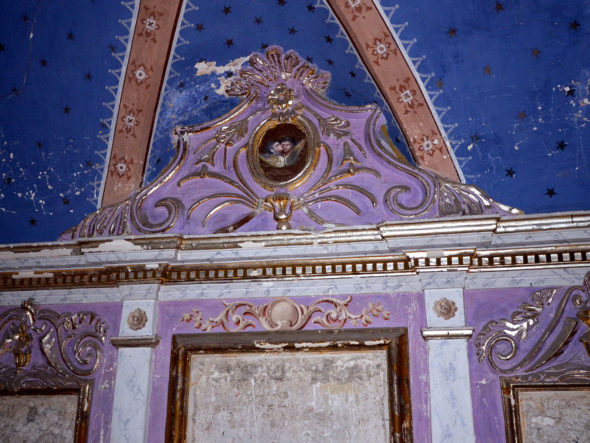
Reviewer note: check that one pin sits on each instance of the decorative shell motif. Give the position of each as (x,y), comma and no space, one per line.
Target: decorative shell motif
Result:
(286,157)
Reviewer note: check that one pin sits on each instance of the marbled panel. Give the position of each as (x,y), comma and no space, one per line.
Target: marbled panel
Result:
(288,288)
(451,411)
(132,389)
(519,278)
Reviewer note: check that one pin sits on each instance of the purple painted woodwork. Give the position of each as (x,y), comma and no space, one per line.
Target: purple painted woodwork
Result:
(406,310)
(345,174)
(103,378)
(534,318)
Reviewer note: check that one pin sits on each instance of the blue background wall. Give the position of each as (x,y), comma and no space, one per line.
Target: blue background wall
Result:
(510,80)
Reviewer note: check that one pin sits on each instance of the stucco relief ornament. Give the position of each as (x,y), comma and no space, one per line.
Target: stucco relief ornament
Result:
(40,348)
(137,319)
(552,319)
(286,157)
(445,308)
(282,101)
(284,314)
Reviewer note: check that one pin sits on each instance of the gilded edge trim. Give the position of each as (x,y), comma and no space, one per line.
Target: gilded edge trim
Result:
(446,255)
(381,265)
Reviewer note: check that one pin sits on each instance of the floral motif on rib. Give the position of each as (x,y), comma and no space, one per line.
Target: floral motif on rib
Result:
(140,74)
(381,48)
(150,24)
(284,314)
(406,95)
(356,8)
(129,121)
(428,145)
(122,167)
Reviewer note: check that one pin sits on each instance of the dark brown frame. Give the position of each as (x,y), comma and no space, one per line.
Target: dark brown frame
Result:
(511,389)
(393,340)
(83,394)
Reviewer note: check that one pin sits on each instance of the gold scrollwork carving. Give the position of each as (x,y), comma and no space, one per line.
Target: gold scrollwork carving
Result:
(72,345)
(499,340)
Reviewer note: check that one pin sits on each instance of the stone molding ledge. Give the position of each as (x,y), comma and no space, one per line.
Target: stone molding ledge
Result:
(559,241)
(447,333)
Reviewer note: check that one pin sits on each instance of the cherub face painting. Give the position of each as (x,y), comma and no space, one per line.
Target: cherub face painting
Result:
(282,153)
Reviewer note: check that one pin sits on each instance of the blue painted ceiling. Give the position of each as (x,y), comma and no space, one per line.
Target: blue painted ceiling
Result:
(510,80)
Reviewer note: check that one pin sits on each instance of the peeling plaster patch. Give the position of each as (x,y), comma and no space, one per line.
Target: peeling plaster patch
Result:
(118,245)
(323,344)
(375,342)
(265,345)
(207,68)
(250,244)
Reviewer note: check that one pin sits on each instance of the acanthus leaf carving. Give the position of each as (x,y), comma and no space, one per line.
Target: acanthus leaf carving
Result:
(500,340)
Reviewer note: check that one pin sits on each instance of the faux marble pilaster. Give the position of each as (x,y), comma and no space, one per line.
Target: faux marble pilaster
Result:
(450,400)
(134,373)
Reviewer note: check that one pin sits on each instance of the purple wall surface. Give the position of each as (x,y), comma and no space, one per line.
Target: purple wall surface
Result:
(103,321)
(539,325)
(405,310)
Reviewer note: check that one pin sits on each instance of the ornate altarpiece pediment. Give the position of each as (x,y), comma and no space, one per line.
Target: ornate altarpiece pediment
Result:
(285,158)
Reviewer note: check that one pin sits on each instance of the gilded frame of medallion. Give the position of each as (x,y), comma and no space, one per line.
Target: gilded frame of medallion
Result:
(298,124)
(54,387)
(393,340)
(513,387)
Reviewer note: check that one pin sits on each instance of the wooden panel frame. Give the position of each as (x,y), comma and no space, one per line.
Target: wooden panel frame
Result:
(511,390)
(393,340)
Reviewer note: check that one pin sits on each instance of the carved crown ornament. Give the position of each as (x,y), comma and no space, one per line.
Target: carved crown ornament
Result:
(40,348)
(285,158)
(531,345)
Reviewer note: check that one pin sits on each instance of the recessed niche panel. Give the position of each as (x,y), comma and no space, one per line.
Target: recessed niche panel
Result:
(336,386)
